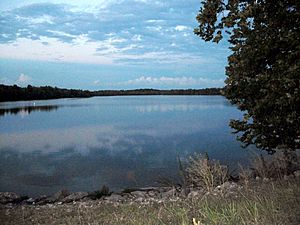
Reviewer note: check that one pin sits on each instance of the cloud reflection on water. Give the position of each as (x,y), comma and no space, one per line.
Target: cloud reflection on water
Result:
(86,137)
(123,160)
(117,141)
(172,107)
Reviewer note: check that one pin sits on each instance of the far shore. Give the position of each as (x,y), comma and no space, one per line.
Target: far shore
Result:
(16,93)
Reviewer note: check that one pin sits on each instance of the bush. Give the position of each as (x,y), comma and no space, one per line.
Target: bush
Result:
(276,166)
(203,172)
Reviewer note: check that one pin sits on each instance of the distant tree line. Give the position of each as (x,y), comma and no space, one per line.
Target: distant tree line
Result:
(16,93)
(206,91)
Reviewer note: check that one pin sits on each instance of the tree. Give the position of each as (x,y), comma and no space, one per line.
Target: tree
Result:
(263,70)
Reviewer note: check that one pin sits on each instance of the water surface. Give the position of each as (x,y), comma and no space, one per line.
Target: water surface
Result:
(82,144)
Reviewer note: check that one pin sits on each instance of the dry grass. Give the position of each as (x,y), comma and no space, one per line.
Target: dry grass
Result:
(275,166)
(245,176)
(276,203)
(206,173)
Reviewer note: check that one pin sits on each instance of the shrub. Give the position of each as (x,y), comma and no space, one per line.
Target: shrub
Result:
(203,172)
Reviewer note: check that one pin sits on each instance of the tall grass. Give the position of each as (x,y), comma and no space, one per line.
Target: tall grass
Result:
(275,166)
(206,173)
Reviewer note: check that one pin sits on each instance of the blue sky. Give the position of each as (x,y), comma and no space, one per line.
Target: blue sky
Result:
(107,44)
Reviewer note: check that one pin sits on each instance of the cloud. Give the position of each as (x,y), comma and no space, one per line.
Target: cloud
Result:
(121,17)
(164,58)
(81,50)
(23,79)
(181,28)
(112,50)
(96,82)
(61,33)
(5,80)
(137,37)
(138,33)
(175,82)
(36,20)
(155,21)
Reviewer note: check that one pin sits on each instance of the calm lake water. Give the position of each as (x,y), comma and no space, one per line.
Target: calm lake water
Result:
(82,144)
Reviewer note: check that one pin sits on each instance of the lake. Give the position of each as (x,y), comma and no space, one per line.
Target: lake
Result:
(126,141)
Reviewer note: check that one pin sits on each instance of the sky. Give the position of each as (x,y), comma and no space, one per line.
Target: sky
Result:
(107,44)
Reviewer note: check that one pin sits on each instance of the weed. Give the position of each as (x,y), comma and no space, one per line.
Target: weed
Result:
(203,172)
(275,166)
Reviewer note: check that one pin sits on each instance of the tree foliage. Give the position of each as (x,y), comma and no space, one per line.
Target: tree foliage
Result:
(263,70)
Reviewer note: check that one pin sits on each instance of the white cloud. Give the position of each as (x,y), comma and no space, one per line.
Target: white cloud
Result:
(168,57)
(113,50)
(61,33)
(80,50)
(43,19)
(137,37)
(113,40)
(5,80)
(175,81)
(96,82)
(155,21)
(5,35)
(37,20)
(154,28)
(181,28)
(23,79)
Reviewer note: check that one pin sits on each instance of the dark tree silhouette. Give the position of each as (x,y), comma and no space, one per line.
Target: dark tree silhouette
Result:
(15,93)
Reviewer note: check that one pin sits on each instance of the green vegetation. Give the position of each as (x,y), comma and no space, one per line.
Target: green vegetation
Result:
(263,69)
(15,93)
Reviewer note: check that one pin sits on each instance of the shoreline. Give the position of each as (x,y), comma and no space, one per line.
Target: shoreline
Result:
(265,201)
(143,194)
(152,193)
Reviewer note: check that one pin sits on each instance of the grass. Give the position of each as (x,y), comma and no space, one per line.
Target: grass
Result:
(271,203)
(204,172)
(275,166)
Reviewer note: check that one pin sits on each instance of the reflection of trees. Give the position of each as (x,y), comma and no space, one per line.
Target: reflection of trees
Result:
(28,109)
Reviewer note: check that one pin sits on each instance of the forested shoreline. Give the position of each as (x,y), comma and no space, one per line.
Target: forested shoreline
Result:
(16,93)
